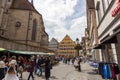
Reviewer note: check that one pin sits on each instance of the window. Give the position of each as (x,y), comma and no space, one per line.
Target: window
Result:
(98,11)
(105,4)
(34,29)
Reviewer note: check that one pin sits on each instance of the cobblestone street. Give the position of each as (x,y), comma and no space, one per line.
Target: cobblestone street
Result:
(67,72)
(59,39)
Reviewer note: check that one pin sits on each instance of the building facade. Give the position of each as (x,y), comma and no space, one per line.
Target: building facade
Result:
(53,45)
(83,50)
(22,27)
(108,25)
(91,31)
(66,47)
(4,6)
(87,42)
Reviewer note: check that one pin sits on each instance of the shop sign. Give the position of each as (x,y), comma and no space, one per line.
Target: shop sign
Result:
(118,0)
(116,10)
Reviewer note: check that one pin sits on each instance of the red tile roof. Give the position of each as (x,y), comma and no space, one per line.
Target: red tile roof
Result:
(22,4)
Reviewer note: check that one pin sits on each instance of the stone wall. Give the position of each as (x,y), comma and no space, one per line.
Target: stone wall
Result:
(19,37)
(20,34)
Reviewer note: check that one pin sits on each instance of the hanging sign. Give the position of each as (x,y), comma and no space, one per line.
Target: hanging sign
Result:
(118,0)
(116,10)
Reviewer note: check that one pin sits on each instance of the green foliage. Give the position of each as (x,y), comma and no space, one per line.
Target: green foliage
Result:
(78,47)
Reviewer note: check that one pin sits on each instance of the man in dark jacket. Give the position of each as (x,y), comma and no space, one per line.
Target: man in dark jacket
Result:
(47,68)
(36,63)
(79,66)
(40,62)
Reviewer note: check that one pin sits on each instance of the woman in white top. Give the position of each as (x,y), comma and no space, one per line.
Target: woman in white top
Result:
(11,73)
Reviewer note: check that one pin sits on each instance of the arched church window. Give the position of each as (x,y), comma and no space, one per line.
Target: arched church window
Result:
(34,30)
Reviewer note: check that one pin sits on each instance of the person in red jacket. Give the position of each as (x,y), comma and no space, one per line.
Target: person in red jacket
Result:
(31,68)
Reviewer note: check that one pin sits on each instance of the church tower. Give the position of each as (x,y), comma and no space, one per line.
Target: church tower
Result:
(4,7)
(23,25)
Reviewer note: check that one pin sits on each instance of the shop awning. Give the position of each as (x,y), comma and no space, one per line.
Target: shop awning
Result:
(2,49)
(51,53)
(29,52)
(26,52)
(112,38)
(98,46)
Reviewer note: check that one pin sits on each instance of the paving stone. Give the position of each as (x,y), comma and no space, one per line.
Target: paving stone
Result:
(68,72)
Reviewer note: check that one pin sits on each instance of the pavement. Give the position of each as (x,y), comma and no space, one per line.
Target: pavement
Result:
(67,72)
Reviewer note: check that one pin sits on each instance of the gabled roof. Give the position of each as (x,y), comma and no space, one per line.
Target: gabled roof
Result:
(54,40)
(67,38)
(22,4)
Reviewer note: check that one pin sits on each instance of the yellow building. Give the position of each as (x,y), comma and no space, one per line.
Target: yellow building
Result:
(66,47)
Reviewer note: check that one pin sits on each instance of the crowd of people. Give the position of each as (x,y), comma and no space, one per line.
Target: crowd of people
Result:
(10,67)
(74,60)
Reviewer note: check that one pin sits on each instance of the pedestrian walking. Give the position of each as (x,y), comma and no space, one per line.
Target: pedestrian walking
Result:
(36,59)
(68,60)
(2,67)
(47,68)
(40,62)
(31,68)
(20,65)
(79,66)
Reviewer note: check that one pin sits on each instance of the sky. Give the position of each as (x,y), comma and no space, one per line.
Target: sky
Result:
(63,17)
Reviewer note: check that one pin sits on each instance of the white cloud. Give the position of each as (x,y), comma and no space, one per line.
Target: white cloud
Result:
(55,9)
(78,27)
(55,13)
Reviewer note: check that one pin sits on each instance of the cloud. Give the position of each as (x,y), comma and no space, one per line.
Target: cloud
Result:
(78,27)
(63,17)
(55,9)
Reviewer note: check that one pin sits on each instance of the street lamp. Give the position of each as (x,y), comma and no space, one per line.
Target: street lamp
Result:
(77,41)
(78,46)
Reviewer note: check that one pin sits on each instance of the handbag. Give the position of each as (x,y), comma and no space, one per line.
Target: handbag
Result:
(20,69)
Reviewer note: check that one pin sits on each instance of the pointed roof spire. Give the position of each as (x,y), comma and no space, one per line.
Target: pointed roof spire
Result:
(67,37)
(32,2)
(22,4)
